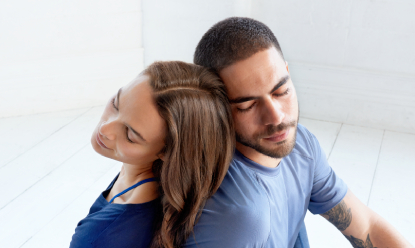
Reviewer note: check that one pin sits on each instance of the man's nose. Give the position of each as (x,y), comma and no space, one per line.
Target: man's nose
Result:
(108,129)
(273,113)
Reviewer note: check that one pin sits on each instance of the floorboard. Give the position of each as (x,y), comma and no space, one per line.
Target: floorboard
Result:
(50,176)
(392,193)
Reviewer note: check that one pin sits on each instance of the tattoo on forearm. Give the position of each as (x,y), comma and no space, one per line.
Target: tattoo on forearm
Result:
(340,216)
(358,243)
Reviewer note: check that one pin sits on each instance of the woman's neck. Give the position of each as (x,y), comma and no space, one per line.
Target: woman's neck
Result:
(131,174)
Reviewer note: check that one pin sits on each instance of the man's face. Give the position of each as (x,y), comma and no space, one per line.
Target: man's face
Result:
(264,103)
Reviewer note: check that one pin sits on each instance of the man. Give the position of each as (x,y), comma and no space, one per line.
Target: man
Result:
(279,169)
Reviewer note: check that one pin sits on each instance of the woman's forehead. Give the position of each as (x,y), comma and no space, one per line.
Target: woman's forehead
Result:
(140,79)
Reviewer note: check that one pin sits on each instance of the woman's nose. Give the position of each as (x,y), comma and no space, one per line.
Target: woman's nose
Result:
(107,129)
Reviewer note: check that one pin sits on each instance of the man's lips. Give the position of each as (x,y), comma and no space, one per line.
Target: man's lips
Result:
(278,136)
(100,143)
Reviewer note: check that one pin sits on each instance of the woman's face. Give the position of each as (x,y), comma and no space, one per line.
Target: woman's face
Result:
(131,129)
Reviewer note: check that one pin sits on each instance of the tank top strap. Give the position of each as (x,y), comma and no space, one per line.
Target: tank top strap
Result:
(152,179)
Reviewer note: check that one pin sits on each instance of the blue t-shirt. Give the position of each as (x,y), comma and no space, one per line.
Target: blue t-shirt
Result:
(116,225)
(258,206)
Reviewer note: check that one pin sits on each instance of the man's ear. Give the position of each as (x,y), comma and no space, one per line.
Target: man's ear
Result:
(286,65)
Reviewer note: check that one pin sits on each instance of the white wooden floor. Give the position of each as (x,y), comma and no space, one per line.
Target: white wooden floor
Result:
(50,176)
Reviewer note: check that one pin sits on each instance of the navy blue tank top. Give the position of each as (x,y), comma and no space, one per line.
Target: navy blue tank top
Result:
(117,225)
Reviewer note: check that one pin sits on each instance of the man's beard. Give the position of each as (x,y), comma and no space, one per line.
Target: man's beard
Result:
(283,147)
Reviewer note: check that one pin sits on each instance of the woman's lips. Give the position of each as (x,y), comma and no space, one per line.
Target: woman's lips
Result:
(100,143)
(279,136)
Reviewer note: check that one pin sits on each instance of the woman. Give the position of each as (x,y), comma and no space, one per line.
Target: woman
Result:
(172,129)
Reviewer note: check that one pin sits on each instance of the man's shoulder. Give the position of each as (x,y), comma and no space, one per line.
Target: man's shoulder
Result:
(240,181)
(239,206)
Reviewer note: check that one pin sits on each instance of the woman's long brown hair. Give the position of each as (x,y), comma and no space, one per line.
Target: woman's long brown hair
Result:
(198,146)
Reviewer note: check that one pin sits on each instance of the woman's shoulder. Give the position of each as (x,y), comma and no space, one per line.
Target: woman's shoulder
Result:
(118,225)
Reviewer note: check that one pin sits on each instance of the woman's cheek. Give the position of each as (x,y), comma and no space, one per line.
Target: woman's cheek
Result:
(126,151)
(134,153)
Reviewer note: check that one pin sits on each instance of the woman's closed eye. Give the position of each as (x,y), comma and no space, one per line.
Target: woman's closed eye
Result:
(126,128)
(126,135)
(113,104)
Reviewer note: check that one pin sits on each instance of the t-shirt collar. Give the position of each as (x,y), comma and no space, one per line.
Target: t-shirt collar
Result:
(258,167)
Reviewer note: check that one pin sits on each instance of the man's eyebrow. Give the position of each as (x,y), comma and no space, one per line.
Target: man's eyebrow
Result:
(242,99)
(135,132)
(283,81)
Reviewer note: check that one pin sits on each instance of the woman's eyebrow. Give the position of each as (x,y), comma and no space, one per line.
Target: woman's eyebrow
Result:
(135,132)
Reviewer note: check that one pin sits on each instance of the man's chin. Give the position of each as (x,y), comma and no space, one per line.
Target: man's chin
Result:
(276,150)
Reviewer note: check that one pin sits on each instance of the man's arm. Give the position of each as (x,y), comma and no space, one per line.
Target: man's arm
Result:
(362,226)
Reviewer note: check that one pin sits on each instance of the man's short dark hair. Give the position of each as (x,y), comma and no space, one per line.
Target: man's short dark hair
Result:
(232,40)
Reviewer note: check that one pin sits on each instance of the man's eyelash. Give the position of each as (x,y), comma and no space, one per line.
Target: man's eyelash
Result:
(244,110)
(284,93)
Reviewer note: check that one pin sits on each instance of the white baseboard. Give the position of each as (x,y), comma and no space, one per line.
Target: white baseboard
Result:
(66,83)
(377,100)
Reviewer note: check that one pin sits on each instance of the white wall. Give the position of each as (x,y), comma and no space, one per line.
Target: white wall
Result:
(351,61)
(58,54)
(172,29)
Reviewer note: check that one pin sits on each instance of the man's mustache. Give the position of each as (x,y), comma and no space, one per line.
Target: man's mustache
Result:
(272,129)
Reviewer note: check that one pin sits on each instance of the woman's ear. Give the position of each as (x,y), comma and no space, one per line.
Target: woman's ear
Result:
(161,156)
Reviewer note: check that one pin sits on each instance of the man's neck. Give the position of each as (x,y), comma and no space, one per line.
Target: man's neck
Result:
(258,157)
